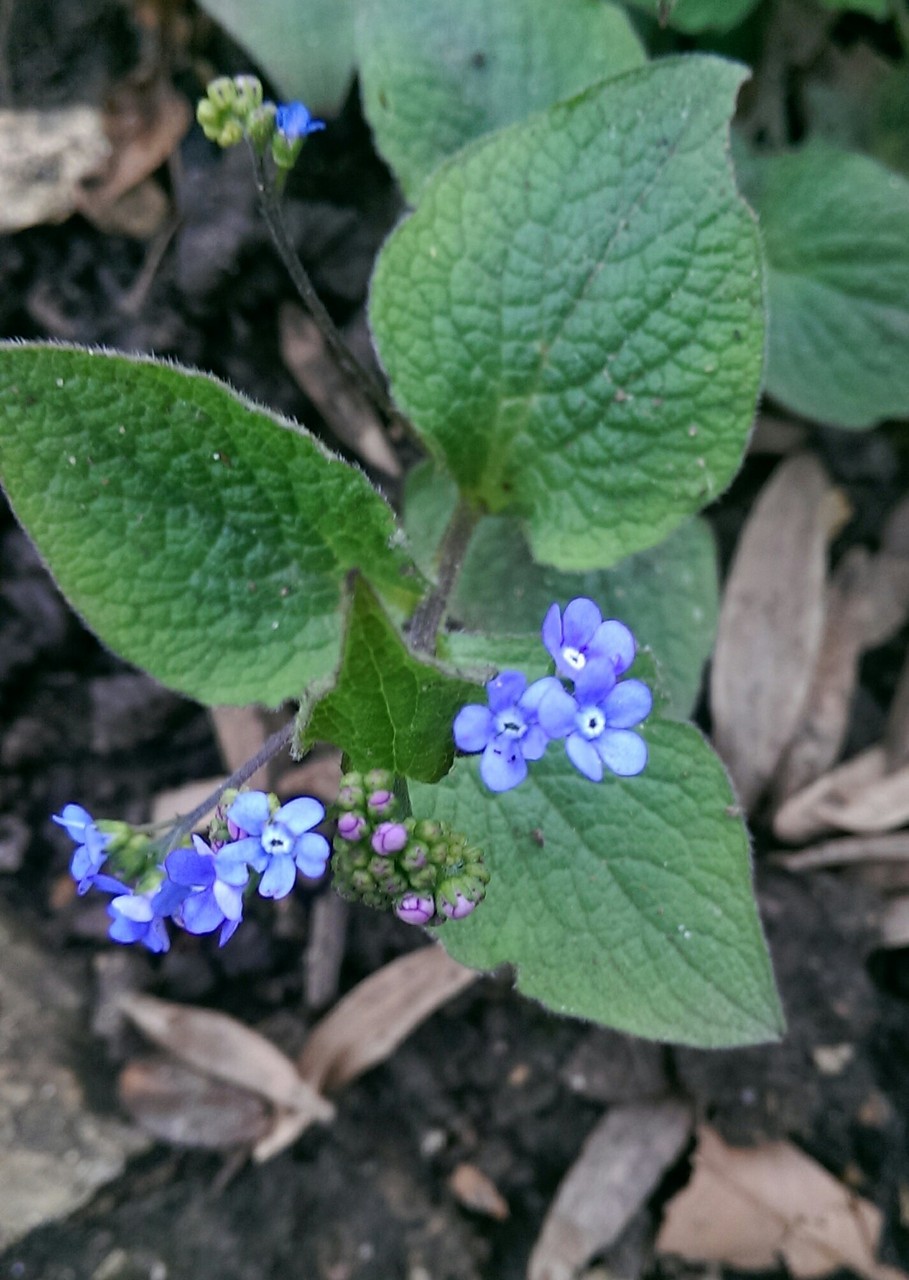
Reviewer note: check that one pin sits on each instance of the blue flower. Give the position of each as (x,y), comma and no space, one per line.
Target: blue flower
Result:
(212,896)
(579,639)
(279,844)
(92,844)
(597,722)
(293,120)
(508,731)
(139,917)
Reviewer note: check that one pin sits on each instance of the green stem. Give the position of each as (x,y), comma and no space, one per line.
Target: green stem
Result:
(430,612)
(275,743)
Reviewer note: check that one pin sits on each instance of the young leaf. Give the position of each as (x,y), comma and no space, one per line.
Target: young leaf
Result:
(389,709)
(667,595)
(627,902)
(436,75)
(572,318)
(305,47)
(837,251)
(698,15)
(203,538)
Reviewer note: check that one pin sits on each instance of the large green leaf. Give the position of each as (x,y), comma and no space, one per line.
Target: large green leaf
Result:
(437,74)
(667,595)
(697,15)
(201,537)
(836,239)
(305,47)
(879,9)
(628,902)
(389,709)
(572,318)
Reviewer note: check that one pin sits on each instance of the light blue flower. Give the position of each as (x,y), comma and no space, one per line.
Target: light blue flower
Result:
(91,852)
(212,889)
(293,120)
(139,917)
(579,639)
(597,722)
(279,844)
(508,730)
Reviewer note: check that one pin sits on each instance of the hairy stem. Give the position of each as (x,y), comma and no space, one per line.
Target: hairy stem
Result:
(430,612)
(275,743)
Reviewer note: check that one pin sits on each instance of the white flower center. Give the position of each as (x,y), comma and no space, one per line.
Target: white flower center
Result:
(590,722)
(574,658)
(277,840)
(510,723)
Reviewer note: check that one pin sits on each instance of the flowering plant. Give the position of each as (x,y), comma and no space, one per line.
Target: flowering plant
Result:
(570,322)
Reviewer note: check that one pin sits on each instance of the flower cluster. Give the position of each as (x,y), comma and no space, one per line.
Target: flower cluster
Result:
(234,108)
(425,872)
(596,719)
(255,844)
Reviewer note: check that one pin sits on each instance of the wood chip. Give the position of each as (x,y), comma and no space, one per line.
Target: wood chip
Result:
(771,622)
(475,1191)
(748,1208)
(366,1026)
(44,155)
(803,818)
(620,1164)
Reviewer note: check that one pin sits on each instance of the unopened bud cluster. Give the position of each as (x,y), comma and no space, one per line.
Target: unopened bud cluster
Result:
(234,108)
(422,870)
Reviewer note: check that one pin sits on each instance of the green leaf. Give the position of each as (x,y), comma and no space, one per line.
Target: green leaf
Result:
(698,15)
(201,537)
(879,9)
(435,75)
(305,47)
(389,709)
(837,251)
(572,319)
(667,595)
(627,902)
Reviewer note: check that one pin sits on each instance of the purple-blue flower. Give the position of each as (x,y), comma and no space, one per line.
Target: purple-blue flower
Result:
(91,852)
(212,889)
(293,120)
(597,722)
(277,844)
(579,638)
(508,731)
(139,917)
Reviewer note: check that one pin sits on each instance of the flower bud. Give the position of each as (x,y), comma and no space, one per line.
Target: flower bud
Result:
(381,802)
(415,908)
(379,780)
(389,837)
(414,856)
(351,795)
(352,827)
(455,908)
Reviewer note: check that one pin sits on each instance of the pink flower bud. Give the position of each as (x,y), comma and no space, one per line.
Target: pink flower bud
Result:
(351,826)
(415,909)
(381,802)
(458,909)
(389,837)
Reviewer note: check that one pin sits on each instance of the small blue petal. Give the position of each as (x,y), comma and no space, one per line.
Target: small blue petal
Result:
(580,621)
(201,913)
(311,851)
(473,727)
(228,929)
(557,712)
(247,851)
(133,906)
(293,120)
(535,742)
(502,766)
(595,681)
(629,703)
(232,867)
(156,938)
(552,631)
(189,868)
(583,755)
(229,899)
(75,820)
(301,815)
(531,700)
(250,812)
(614,642)
(279,879)
(622,751)
(505,690)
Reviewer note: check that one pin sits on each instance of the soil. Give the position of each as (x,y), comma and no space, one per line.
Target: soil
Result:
(491,1079)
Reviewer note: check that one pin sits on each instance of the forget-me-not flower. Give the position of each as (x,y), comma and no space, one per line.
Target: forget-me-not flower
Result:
(597,722)
(279,844)
(91,853)
(294,120)
(579,639)
(213,889)
(507,731)
(139,917)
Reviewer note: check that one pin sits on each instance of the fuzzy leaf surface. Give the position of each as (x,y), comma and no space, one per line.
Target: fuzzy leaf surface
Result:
(668,595)
(389,709)
(436,75)
(201,537)
(305,47)
(837,250)
(572,318)
(627,902)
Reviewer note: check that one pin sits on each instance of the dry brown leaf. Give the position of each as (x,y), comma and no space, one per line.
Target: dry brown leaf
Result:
(325,950)
(801,817)
(44,155)
(474,1190)
(176,1104)
(348,414)
(139,213)
(749,1208)
(370,1022)
(226,1050)
(881,805)
(847,851)
(621,1162)
(771,622)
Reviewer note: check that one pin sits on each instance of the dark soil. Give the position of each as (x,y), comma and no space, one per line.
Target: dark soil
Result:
(491,1079)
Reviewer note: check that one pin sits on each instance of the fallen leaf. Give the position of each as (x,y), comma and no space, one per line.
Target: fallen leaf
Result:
(881,805)
(44,155)
(847,851)
(178,1105)
(750,1208)
(471,1188)
(771,622)
(370,1022)
(324,950)
(621,1162)
(802,817)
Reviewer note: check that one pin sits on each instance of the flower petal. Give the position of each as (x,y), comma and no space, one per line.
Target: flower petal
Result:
(229,899)
(133,906)
(247,851)
(505,690)
(75,821)
(189,868)
(300,815)
(278,879)
(614,642)
(311,851)
(473,727)
(552,630)
(228,929)
(622,751)
(557,712)
(629,703)
(502,766)
(156,937)
(583,755)
(123,930)
(537,692)
(582,617)
(594,682)
(250,812)
(200,913)
(535,742)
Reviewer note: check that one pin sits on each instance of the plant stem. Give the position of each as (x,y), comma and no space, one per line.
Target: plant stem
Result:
(362,379)
(430,612)
(275,743)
